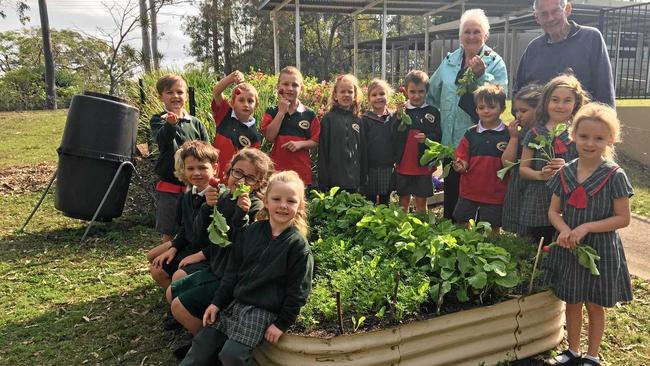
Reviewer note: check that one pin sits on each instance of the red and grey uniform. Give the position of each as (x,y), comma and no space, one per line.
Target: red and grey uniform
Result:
(482,149)
(424,119)
(232,135)
(301,125)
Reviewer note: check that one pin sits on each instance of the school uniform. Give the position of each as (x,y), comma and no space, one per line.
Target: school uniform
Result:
(378,140)
(169,138)
(191,237)
(196,290)
(301,125)
(266,282)
(480,188)
(413,178)
(232,134)
(591,200)
(512,202)
(537,195)
(340,160)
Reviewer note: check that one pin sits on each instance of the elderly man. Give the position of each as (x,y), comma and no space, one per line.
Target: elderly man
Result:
(564,45)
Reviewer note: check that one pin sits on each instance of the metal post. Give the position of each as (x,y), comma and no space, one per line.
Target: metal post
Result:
(506,55)
(426,44)
(511,72)
(462,7)
(276,43)
(415,59)
(108,191)
(393,63)
(298,34)
(372,57)
(22,228)
(384,30)
(356,45)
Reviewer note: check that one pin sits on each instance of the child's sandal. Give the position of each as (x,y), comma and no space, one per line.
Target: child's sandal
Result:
(589,362)
(571,361)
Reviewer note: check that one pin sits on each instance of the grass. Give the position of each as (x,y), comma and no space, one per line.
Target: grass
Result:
(30,137)
(66,302)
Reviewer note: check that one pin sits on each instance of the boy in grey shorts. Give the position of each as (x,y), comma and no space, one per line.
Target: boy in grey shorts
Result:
(170,129)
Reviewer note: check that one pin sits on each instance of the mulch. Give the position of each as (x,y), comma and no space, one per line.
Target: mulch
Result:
(19,179)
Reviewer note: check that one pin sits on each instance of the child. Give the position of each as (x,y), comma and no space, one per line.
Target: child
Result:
(561,99)
(267,281)
(377,127)
(196,165)
(291,127)
(524,104)
(339,149)
(236,127)
(590,201)
(191,295)
(478,158)
(413,178)
(171,129)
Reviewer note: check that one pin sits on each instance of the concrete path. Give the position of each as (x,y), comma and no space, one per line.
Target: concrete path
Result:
(635,241)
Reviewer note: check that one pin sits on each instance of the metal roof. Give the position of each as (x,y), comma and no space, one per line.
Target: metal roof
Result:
(582,14)
(445,8)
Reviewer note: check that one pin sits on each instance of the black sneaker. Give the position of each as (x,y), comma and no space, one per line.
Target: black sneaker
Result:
(571,361)
(170,323)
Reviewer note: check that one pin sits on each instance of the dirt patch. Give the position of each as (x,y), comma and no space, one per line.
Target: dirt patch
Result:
(20,179)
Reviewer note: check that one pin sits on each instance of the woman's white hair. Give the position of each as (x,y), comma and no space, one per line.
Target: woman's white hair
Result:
(477,15)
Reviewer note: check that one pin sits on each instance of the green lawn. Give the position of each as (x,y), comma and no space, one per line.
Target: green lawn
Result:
(30,137)
(66,302)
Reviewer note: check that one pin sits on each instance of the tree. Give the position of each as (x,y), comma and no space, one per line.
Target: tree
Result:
(21,9)
(47,55)
(153,19)
(144,27)
(121,59)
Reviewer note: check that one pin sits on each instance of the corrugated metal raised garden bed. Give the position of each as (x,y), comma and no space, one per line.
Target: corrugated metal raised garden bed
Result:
(379,270)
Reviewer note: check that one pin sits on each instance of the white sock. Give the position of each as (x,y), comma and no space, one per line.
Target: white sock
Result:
(590,357)
(564,358)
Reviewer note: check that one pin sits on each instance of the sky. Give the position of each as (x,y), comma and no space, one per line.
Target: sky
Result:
(87,15)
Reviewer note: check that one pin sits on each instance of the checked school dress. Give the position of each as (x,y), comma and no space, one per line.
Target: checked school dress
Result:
(591,200)
(537,196)
(512,202)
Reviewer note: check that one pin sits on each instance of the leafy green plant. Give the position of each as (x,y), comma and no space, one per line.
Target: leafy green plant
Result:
(218,228)
(543,144)
(435,154)
(587,256)
(399,99)
(357,323)
(468,83)
(239,190)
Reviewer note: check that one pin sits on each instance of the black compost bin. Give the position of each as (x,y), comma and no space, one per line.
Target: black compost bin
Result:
(100,134)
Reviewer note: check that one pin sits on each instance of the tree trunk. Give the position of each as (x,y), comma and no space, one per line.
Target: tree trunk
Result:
(154,35)
(146,46)
(215,36)
(49,59)
(227,40)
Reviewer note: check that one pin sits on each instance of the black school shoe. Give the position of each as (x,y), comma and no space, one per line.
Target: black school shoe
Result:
(170,323)
(572,361)
(181,351)
(588,362)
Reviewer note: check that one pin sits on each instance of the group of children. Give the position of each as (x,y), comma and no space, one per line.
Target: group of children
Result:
(232,297)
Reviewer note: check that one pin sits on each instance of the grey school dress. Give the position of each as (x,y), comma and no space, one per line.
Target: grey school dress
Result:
(511,211)
(571,282)
(537,196)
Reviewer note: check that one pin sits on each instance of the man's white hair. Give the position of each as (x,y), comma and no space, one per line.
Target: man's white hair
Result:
(562,4)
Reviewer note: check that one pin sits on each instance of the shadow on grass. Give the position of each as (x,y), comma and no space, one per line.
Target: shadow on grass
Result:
(121,329)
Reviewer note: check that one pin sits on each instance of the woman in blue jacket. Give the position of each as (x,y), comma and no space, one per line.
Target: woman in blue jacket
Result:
(487,67)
